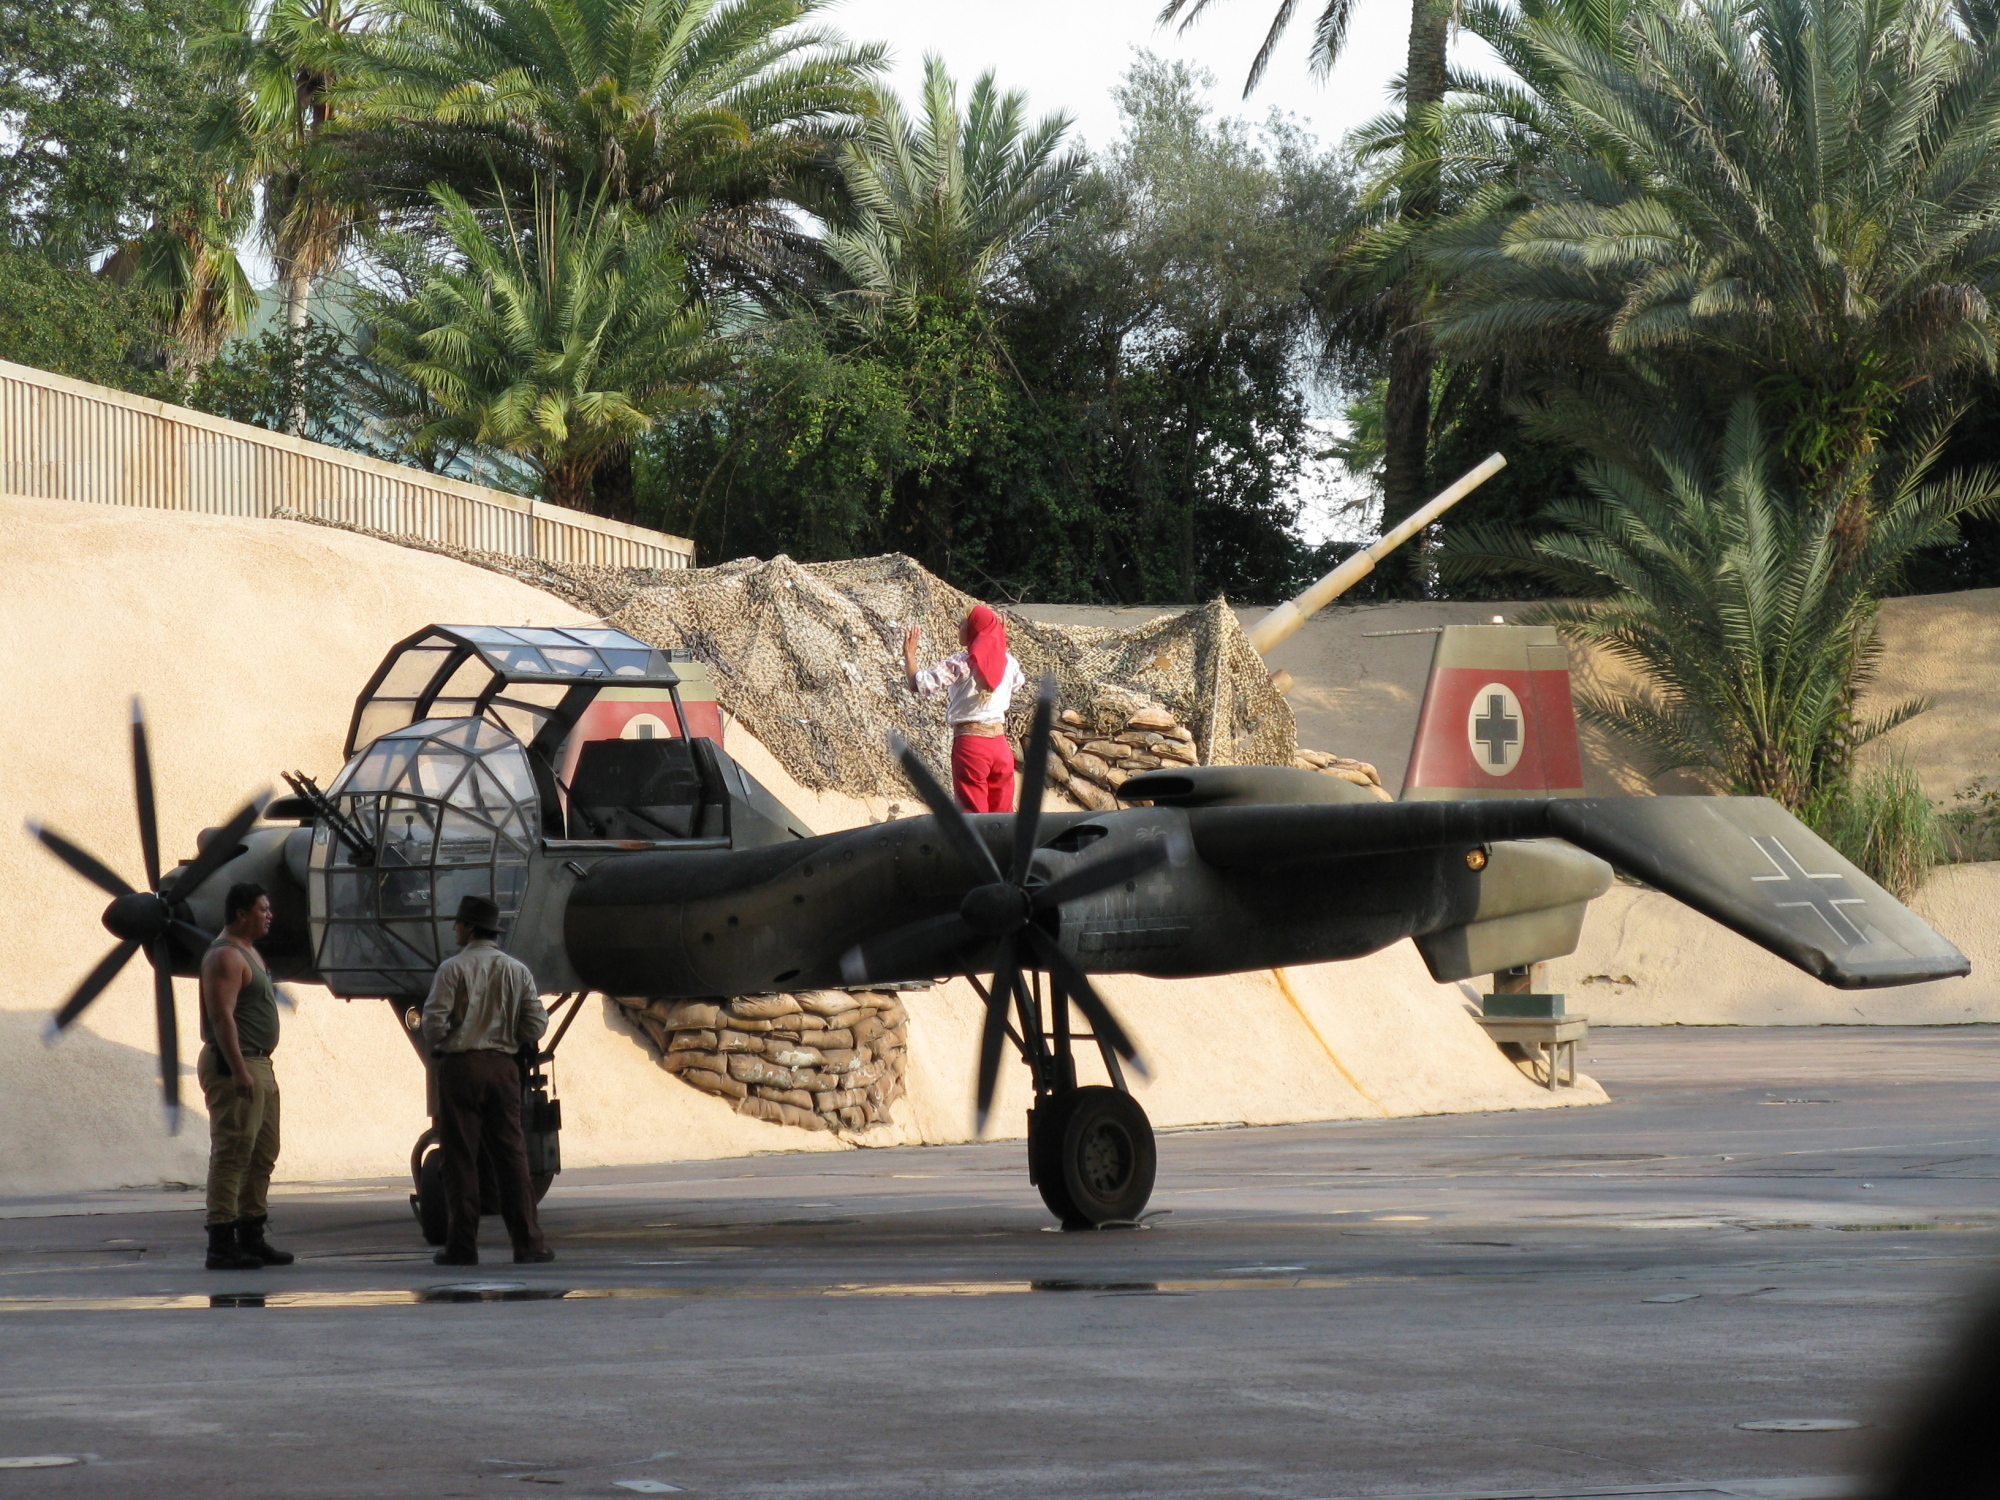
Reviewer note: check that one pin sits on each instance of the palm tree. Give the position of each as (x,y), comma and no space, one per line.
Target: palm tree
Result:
(559,341)
(1731,598)
(1396,306)
(719,109)
(1807,200)
(279,65)
(185,269)
(945,204)
(941,210)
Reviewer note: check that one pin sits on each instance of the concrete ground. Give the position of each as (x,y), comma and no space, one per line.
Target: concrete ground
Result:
(1767,1224)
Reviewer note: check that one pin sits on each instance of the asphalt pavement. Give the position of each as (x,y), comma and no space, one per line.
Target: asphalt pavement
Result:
(1730,1281)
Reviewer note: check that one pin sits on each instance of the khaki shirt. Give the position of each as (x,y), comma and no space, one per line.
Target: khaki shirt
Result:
(494,998)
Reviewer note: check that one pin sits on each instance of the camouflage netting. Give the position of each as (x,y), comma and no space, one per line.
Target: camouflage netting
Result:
(808,657)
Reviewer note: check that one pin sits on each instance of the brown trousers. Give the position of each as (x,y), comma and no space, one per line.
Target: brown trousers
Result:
(479,1108)
(242,1137)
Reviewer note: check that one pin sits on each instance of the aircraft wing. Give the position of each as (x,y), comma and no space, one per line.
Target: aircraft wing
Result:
(1749,864)
(1744,862)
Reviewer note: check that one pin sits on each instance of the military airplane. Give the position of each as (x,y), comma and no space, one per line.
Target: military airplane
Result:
(577,777)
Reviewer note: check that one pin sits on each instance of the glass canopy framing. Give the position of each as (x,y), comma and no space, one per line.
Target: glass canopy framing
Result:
(433,812)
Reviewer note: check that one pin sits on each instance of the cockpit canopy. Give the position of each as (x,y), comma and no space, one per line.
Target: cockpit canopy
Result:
(433,812)
(523,675)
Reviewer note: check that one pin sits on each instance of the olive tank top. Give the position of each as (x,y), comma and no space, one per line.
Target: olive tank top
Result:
(256,1005)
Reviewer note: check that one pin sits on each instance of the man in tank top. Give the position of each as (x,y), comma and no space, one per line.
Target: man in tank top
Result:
(239,1032)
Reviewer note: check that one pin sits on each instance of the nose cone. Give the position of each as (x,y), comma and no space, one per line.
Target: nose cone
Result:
(995,910)
(137,918)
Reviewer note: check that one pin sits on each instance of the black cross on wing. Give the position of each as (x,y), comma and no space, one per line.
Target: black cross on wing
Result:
(1497,729)
(1797,887)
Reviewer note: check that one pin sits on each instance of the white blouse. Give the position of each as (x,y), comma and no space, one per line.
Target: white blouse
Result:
(969,704)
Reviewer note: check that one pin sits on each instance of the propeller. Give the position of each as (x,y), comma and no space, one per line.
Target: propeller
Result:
(144,919)
(1002,909)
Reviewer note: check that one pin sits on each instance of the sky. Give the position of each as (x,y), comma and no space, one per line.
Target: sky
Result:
(1068,54)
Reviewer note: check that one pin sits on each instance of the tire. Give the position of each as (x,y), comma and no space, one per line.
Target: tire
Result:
(1045,1171)
(428,1201)
(541,1184)
(1102,1161)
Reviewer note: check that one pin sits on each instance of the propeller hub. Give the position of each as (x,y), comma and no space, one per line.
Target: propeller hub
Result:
(995,910)
(138,918)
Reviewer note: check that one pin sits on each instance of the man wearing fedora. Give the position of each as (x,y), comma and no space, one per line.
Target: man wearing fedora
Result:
(482,1011)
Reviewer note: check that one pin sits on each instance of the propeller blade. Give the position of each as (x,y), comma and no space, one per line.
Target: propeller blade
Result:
(142,784)
(192,934)
(1006,974)
(170,1036)
(221,849)
(920,950)
(92,986)
(86,865)
(1086,997)
(1034,778)
(1102,874)
(951,821)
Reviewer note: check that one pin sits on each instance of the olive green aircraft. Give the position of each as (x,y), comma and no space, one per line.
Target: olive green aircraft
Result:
(577,777)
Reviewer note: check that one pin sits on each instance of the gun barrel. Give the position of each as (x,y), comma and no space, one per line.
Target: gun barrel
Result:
(1289,616)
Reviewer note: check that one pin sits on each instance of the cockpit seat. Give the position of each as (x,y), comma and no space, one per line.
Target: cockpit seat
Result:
(648,789)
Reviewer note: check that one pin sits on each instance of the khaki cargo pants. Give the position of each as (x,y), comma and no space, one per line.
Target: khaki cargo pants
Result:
(242,1138)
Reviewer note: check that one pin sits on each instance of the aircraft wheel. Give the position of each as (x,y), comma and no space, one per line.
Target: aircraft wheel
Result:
(1045,1122)
(428,1201)
(541,1182)
(1094,1157)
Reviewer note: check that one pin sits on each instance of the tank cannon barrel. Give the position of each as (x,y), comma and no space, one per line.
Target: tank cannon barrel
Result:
(1289,616)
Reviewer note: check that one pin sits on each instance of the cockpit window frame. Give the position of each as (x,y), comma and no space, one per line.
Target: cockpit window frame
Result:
(486,642)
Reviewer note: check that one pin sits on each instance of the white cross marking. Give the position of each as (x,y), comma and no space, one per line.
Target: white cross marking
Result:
(1826,902)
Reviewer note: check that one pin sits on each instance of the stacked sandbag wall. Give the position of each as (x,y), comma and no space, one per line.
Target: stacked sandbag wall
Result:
(824,1060)
(1096,753)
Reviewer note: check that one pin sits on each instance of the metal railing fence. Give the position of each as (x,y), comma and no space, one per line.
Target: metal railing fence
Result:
(64,439)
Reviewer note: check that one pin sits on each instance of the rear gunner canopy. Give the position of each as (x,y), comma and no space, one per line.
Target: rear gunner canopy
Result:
(524,676)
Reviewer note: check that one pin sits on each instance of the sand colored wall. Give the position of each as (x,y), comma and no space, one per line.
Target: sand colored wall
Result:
(248,640)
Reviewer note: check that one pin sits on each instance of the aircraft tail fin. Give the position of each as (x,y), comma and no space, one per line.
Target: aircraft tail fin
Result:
(1497,719)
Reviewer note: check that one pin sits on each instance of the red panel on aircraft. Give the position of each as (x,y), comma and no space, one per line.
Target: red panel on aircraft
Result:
(1493,729)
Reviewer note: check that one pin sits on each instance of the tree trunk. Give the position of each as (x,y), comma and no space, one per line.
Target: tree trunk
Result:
(298,288)
(1406,414)
(613,491)
(570,484)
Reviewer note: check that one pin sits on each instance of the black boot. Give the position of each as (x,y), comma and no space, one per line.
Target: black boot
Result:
(250,1238)
(225,1255)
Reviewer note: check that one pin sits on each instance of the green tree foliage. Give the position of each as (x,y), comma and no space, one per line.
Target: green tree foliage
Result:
(98,111)
(73,323)
(299,381)
(1725,587)
(560,340)
(1135,382)
(945,204)
(720,111)
(1377,304)
(1799,195)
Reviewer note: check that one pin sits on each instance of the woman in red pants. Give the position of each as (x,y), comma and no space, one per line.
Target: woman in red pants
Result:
(981,679)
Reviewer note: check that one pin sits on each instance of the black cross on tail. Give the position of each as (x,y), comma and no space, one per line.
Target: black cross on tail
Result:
(1824,894)
(1496,729)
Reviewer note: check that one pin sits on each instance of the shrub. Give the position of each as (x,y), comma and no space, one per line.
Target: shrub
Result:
(1882,821)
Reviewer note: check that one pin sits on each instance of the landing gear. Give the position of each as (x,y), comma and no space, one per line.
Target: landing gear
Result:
(428,1203)
(1090,1147)
(541,1130)
(1090,1153)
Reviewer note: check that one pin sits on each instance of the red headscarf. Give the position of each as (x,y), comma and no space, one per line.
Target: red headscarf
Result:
(985,641)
